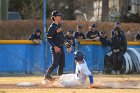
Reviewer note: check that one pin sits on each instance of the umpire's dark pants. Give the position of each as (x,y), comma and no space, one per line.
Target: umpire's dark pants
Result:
(117,60)
(58,60)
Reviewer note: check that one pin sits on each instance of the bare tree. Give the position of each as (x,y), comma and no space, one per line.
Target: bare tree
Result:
(123,8)
(105,10)
(33,9)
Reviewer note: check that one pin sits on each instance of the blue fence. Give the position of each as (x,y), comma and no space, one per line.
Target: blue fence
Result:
(26,57)
(19,58)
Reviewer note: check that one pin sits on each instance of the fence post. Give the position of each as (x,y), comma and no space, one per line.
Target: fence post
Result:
(45,24)
(4,9)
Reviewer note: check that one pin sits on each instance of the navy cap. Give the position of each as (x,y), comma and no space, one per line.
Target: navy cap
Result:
(70,31)
(93,26)
(37,30)
(117,23)
(56,13)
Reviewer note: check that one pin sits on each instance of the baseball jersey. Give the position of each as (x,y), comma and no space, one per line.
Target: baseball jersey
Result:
(77,79)
(90,34)
(55,38)
(79,34)
(82,71)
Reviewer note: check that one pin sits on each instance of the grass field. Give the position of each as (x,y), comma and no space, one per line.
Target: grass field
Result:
(8,85)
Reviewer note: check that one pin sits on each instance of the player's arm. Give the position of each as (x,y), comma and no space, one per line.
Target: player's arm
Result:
(91,79)
(36,41)
(86,71)
(68,46)
(75,35)
(50,34)
(73,41)
(32,37)
(93,36)
(84,37)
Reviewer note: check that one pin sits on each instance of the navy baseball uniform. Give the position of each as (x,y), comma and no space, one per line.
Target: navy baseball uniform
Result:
(119,47)
(137,36)
(90,34)
(69,39)
(56,38)
(34,36)
(77,35)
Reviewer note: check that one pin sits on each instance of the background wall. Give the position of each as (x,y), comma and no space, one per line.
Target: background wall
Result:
(37,58)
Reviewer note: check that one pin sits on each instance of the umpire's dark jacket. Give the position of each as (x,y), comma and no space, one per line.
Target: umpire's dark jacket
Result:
(119,47)
(119,42)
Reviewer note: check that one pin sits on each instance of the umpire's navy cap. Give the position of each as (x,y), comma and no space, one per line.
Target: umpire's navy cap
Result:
(56,13)
(93,26)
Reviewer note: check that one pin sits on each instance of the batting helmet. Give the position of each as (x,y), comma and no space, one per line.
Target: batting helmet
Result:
(79,56)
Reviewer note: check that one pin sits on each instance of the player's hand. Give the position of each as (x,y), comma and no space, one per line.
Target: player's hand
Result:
(71,42)
(37,41)
(80,37)
(57,49)
(69,50)
(96,39)
(59,30)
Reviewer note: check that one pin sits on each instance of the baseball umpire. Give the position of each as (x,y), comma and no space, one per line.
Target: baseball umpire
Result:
(119,47)
(56,39)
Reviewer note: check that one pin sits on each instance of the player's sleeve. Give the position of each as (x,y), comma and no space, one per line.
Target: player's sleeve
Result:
(51,32)
(75,35)
(86,71)
(84,37)
(32,37)
(98,33)
(124,43)
(91,79)
(73,41)
(112,43)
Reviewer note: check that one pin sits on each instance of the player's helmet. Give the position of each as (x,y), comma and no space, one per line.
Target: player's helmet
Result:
(79,56)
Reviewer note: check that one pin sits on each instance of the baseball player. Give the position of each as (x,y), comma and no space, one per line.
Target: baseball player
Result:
(79,34)
(81,73)
(36,37)
(56,39)
(93,33)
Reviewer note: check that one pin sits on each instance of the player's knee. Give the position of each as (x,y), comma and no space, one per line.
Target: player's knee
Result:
(54,65)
